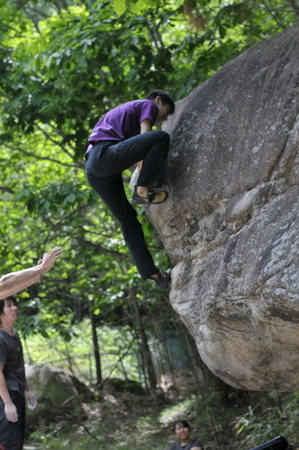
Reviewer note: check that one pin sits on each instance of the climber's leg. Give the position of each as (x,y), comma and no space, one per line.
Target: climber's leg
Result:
(105,162)
(107,158)
(111,190)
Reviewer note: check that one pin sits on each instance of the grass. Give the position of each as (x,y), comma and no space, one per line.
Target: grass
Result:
(126,421)
(123,423)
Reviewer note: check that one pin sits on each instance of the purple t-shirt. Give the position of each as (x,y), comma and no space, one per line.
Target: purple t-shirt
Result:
(123,122)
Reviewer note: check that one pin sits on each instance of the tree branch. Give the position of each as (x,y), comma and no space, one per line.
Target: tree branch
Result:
(35,23)
(32,155)
(120,358)
(53,140)
(6,189)
(81,289)
(294,6)
(100,248)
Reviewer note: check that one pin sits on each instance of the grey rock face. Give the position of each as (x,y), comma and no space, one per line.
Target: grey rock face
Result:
(231,225)
(59,395)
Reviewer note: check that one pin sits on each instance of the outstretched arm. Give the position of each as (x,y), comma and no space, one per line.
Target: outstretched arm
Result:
(15,282)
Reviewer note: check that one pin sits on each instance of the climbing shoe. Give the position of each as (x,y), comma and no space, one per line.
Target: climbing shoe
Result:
(153,197)
(163,280)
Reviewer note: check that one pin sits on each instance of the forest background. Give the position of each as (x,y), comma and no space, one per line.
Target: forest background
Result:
(63,65)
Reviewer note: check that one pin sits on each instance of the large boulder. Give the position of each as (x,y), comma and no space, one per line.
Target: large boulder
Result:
(59,394)
(231,225)
(115,385)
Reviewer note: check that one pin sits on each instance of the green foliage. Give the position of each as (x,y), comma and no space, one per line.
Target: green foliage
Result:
(68,440)
(121,6)
(264,421)
(74,351)
(151,428)
(211,416)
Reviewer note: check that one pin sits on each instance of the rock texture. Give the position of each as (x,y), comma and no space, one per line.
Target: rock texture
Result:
(59,394)
(231,226)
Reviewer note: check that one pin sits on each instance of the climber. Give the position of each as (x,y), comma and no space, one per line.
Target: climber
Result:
(124,137)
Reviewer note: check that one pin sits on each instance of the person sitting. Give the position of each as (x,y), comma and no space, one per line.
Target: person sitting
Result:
(182,430)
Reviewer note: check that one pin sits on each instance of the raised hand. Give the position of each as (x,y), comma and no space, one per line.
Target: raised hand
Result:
(49,258)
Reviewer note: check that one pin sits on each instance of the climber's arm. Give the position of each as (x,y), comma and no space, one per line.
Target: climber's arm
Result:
(145,127)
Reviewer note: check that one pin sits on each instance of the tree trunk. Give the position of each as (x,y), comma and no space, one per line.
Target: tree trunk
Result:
(168,365)
(145,349)
(96,351)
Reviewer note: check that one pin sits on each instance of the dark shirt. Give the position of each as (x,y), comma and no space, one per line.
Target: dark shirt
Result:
(192,443)
(11,356)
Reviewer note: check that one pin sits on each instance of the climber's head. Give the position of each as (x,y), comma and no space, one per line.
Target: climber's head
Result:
(164,102)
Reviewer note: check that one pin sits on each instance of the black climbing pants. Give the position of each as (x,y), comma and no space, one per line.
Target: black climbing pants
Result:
(105,163)
(12,433)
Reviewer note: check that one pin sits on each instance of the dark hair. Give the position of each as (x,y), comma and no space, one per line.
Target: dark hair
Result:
(166,99)
(184,423)
(2,303)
